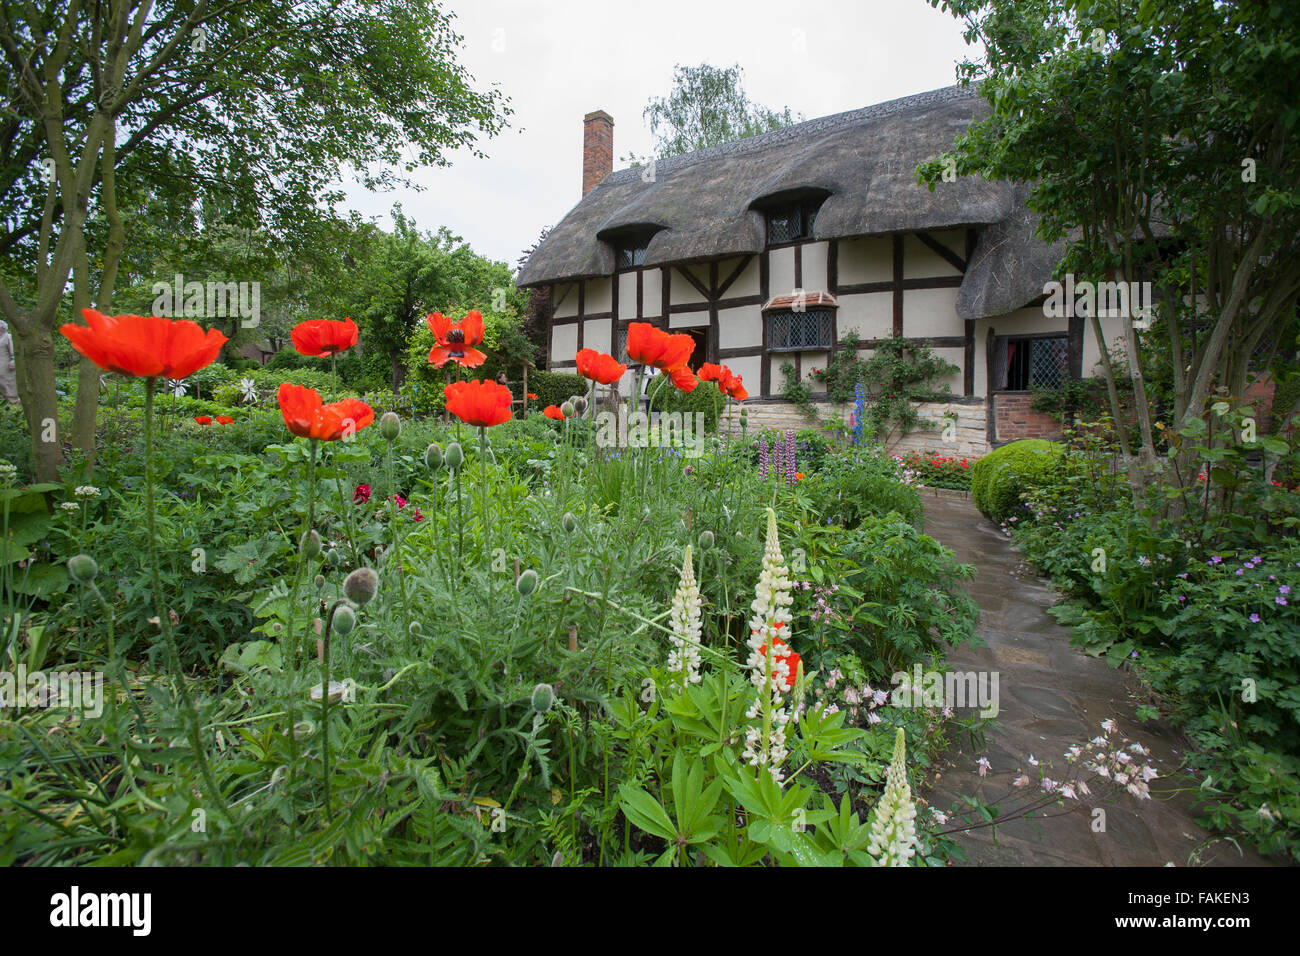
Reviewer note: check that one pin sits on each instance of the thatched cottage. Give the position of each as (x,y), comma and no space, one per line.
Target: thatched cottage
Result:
(770,249)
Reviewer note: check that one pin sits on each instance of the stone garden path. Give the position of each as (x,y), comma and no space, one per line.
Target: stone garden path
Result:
(1053,696)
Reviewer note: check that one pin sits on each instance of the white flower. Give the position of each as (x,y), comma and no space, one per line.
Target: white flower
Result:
(684,620)
(1264,813)
(984,765)
(177,386)
(1149,772)
(1068,791)
(86,491)
(7,470)
(1108,725)
(70,506)
(769,670)
(893,828)
(1049,784)
(1032,761)
(1020,781)
(248,389)
(940,817)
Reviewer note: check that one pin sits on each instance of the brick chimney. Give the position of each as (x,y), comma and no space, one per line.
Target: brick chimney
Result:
(597,148)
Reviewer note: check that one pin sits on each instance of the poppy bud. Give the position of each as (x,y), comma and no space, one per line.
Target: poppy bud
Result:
(433,457)
(569,522)
(543,698)
(334,559)
(567,409)
(309,544)
(345,619)
(390,426)
(83,568)
(320,581)
(706,540)
(360,586)
(580,404)
(527,583)
(414,628)
(455,456)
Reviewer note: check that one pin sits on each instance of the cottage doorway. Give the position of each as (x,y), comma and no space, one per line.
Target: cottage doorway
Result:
(700,354)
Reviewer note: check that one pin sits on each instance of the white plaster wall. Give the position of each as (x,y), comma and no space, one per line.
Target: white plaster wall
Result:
(595,335)
(749,368)
(681,291)
(566,298)
(600,295)
(688,320)
(931,312)
(564,344)
(865,260)
(652,293)
(747,283)
(780,277)
(813,258)
(920,261)
(740,328)
(626,295)
(871,315)
(955,382)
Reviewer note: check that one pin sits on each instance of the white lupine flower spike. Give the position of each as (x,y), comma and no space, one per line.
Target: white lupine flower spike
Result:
(686,625)
(769,669)
(893,828)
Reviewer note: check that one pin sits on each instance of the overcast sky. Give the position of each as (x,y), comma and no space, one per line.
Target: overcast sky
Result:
(557,61)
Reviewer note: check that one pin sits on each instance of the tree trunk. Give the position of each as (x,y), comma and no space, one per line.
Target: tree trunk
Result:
(34,358)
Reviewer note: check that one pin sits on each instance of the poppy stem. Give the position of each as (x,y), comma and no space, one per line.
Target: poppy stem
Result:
(482,504)
(394,525)
(164,615)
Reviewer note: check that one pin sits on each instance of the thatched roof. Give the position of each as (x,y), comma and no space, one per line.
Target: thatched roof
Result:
(703,203)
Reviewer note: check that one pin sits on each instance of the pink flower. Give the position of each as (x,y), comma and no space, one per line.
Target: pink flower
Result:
(361,495)
(984,765)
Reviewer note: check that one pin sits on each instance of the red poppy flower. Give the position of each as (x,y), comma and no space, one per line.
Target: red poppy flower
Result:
(480,403)
(145,346)
(553,411)
(657,348)
(308,417)
(224,419)
(532,396)
(361,495)
(455,339)
(798,476)
(727,382)
(203,419)
(324,337)
(683,378)
(599,367)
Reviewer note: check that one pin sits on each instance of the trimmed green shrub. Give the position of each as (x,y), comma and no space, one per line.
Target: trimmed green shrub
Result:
(1000,479)
(554,388)
(704,398)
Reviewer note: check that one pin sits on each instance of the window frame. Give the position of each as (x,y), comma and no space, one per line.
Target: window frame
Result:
(822,310)
(807,210)
(1000,357)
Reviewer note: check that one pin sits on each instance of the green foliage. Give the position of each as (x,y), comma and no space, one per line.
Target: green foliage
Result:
(1001,478)
(439,754)
(705,399)
(1200,605)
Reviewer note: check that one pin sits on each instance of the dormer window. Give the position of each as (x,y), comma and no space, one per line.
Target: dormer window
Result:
(630,244)
(630,253)
(791,222)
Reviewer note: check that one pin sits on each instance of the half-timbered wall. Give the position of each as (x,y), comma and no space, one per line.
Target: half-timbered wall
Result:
(900,285)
